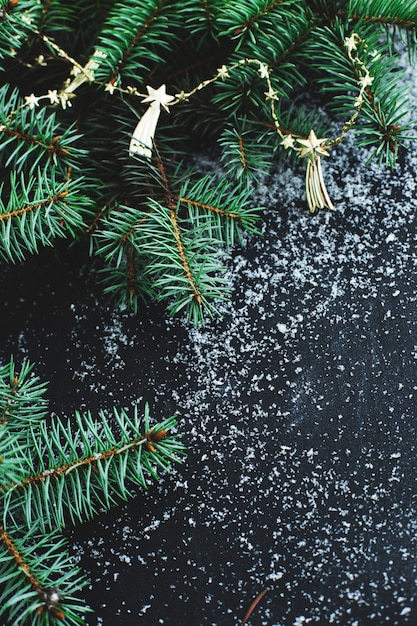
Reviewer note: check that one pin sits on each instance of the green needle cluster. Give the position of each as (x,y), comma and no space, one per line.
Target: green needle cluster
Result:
(75,77)
(54,473)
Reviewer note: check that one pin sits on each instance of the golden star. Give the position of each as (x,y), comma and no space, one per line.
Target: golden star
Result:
(159,95)
(312,146)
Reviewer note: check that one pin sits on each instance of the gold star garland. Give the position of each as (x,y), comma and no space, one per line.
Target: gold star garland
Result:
(310,148)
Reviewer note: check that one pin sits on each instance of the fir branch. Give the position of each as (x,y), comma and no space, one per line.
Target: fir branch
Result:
(184,264)
(52,472)
(172,203)
(134,38)
(247,150)
(126,280)
(11,548)
(56,15)
(99,215)
(400,14)
(339,75)
(39,581)
(39,210)
(74,471)
(22,401)
(243,94)
(207,12)
(36,206)
(16,17)
(181,250)
(33,138)
(224,212)
(118,230)
(245,15)
(394,17)
(12,449)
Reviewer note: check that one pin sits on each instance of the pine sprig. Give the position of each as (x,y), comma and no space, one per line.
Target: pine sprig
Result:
(16,18)
(37,211)
(39,583)
(126,280)
(77,470)
(249,16)
(56,15)
(238,71)
(247,151)
(225,212)
(185,265)
(22,401)
(135,37)
(384,122)
(395,13)
(168,248)
(33,138)
(54,472)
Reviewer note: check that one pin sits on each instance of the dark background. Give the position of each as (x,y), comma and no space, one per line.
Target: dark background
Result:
(298,407)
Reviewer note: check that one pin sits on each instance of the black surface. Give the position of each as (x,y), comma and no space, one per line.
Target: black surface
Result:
(298,408)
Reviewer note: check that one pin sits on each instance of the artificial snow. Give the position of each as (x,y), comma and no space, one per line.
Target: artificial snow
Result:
(297,405)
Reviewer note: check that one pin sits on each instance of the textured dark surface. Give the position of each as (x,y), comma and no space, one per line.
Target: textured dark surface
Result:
(298,408)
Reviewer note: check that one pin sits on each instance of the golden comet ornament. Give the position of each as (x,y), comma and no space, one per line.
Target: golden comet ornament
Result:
(141,142)
(313,149)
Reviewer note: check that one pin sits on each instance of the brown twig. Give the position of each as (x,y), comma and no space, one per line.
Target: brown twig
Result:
(33,207)
(18,559)
(210,207)
(253,605)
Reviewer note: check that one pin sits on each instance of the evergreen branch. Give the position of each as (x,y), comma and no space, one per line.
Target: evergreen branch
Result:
(223,211)
(45,10)
(38,211)
(385,20)
(184,263)
(127,280)
(395,17)
(243,94)
(400,14)
(11,548)
(15,20)
(134,38)
(181,250)
(171,203)
(138,267)
(33,137)
(63,471)
(341,78)
(210,207)
(91,467)
(107,207)
(118,230)
(56,15)
(90,17)
(385,127)
(145,247)
(21,405)
(22,400)
(247,151)
(36,206)
(292,47)
(39,580)
(52,148)
(245,15)
(12,449)
(207,12)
